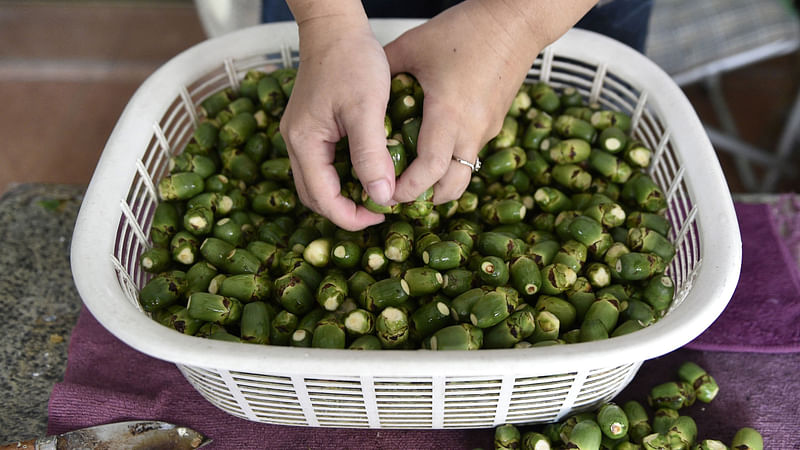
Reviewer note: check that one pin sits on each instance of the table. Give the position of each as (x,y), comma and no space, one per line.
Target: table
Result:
(37,298)
(41,306)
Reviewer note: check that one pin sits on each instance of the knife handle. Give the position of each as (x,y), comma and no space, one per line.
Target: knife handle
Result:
(44,443)
(29,444)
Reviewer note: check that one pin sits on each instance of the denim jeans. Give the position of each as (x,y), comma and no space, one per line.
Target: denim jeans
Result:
(623,20)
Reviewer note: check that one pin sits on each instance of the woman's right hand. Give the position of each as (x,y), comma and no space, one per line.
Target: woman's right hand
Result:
(342,89)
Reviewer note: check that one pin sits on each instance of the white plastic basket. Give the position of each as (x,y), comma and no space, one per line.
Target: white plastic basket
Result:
(405,388)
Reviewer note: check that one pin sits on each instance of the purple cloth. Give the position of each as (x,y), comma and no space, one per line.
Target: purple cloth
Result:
(108,381)
(758,390)
(764,312)
(751,350)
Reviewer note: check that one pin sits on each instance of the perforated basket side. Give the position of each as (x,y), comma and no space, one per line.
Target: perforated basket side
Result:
(407,402)
(601,85)
(170,134)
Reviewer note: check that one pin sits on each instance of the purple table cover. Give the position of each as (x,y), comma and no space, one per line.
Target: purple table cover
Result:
(751,350)
(764,312)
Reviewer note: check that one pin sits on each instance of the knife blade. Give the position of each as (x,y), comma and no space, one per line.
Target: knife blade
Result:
(133,435)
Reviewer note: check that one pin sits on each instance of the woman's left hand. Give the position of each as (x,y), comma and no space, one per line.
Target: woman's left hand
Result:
(470,61)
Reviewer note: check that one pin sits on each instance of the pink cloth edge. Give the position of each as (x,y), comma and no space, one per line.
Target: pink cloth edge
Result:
(784,249)
(795,278)
(764,349)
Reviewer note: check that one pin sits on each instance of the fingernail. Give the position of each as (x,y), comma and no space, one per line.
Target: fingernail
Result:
(379,191)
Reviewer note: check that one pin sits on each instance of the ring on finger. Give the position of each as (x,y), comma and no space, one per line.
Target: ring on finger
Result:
(474,166)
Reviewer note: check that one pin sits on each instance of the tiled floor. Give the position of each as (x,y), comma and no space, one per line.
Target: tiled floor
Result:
(760,98)
(67,69)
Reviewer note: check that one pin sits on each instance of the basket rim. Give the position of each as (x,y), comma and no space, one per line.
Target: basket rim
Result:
(98,285)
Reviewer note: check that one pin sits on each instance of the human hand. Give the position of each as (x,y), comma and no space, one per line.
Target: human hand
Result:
(470,61)
(342,89)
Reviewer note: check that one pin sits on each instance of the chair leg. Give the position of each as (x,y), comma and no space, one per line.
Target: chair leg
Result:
(720,106)
(724,142)
(789,137)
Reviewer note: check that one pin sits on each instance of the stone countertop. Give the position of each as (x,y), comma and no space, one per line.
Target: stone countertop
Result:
(38,300)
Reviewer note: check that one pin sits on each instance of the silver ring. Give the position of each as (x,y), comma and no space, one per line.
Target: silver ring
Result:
(475,167)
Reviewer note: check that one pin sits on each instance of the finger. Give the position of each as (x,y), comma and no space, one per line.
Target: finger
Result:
(299,184)
(317,185)
(395,55)
(437,137)
(455,181)
(363,124)
(452,184)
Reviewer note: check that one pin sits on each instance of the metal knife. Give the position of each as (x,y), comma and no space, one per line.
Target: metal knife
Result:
(133,435)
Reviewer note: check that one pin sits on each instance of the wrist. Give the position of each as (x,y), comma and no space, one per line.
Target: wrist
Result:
(321,22)
(308,11)
(530,25)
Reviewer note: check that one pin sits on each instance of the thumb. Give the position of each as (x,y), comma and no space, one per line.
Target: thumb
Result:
(368,153)
(396,54)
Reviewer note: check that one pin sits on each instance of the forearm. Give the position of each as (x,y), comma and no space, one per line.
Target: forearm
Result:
(341,89)
(310,10)
(543,18)
(320,22)
(528,25)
